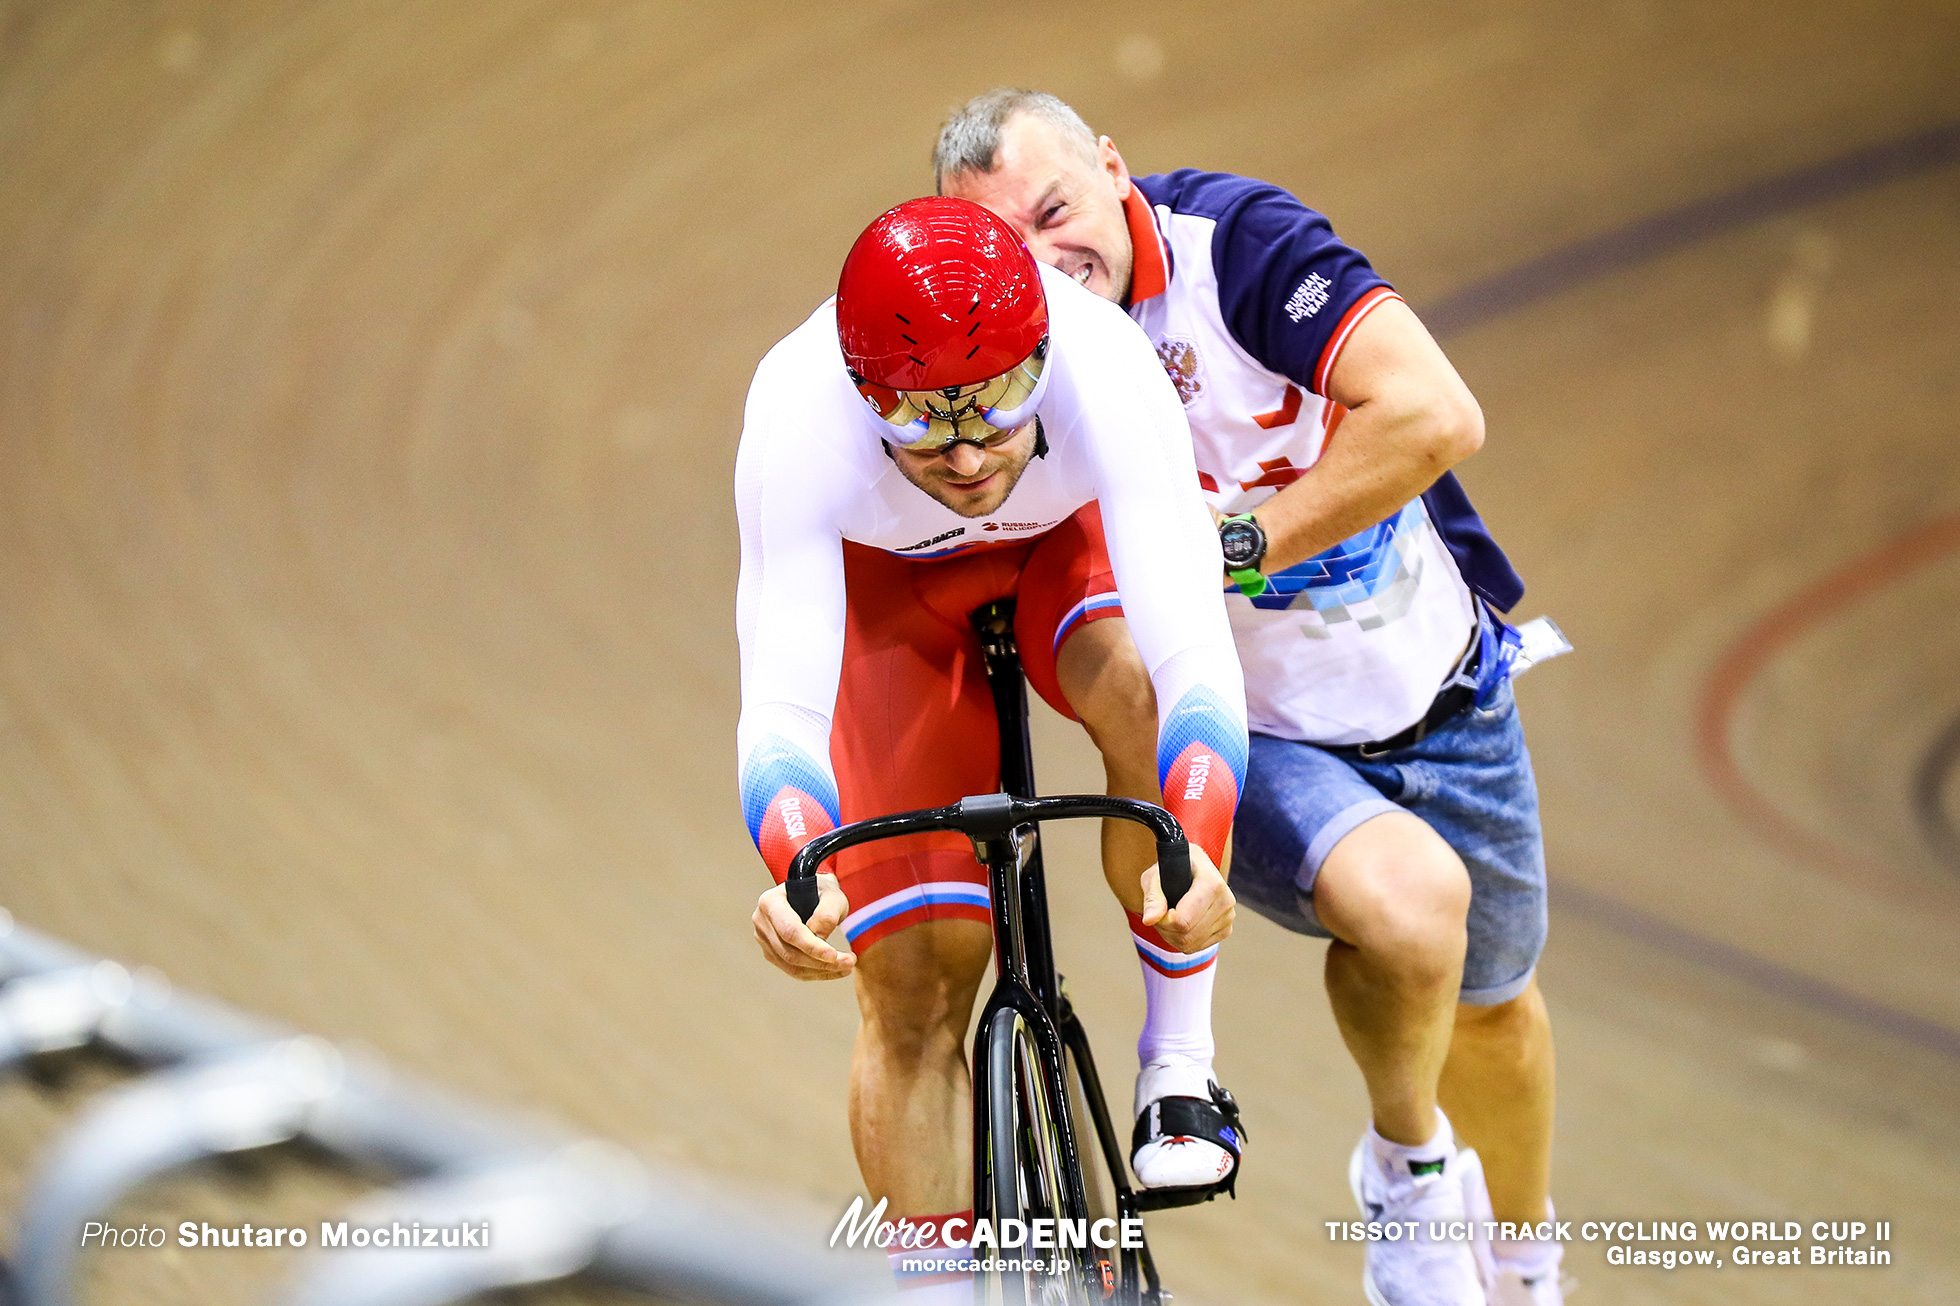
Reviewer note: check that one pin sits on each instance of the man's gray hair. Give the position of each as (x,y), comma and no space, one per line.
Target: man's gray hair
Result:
(970,140)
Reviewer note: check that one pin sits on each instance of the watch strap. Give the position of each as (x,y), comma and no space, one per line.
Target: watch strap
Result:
(1251,581)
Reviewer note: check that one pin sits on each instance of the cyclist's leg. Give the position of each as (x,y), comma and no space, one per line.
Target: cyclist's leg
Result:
(911,1115)
(1078,654)
(915,728)
(1101,677)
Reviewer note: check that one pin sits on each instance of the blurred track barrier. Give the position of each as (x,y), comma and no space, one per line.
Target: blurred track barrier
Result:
(491,1202)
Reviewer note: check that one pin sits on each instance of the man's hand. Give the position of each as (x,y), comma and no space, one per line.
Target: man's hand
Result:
(799,950)
(1203,916)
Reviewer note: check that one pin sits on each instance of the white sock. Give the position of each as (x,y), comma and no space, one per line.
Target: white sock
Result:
(1439,1146)
(1176,1012)
(1174,1054)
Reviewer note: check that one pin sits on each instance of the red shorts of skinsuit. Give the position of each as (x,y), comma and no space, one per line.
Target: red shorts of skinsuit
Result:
(915,724)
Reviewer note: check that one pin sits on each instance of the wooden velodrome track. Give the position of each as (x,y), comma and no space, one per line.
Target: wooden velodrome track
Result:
(369,383)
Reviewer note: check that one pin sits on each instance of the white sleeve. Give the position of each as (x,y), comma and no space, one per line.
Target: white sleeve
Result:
(789,618)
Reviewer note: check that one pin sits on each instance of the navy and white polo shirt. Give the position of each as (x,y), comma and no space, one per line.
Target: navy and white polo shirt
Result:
(1249,297)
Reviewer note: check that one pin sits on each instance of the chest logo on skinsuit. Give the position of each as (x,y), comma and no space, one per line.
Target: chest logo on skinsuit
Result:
(1180,360)
(940,538)
(1015,525)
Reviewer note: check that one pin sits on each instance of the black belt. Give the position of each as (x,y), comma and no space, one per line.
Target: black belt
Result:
(1454,699)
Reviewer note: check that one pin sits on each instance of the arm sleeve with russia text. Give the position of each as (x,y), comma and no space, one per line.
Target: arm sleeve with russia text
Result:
(789,619)
(1164,551)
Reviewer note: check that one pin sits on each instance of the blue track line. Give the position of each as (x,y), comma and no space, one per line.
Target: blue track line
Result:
(1614,251)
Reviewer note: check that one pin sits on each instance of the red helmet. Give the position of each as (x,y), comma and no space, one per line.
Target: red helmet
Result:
(940,298)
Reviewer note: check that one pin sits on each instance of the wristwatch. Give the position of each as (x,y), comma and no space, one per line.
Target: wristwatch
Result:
(1244,543)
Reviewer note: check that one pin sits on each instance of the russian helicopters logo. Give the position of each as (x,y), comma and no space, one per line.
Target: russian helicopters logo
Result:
(1015,525)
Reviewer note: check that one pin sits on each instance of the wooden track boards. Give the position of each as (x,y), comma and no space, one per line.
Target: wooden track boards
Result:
(369,383)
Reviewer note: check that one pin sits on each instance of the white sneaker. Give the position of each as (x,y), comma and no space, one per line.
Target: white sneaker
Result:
(1183,1121)
(1417,1271)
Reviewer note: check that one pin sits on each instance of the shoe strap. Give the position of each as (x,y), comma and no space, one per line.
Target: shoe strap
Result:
(1214,1119)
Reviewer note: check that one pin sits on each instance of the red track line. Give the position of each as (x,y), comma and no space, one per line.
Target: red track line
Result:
(1809,608)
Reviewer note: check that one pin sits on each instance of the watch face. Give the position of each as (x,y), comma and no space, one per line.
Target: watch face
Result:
(1241,541)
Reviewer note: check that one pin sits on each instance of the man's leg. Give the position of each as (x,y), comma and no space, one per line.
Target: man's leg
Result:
(911,1090)
(1497,1086)
(1395,897)
(1473,785)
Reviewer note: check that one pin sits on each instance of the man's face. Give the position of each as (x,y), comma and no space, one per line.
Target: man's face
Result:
(1067,207)
(971,479)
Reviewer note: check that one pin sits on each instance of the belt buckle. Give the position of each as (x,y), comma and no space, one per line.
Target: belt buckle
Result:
(1379,748)
(1375,749)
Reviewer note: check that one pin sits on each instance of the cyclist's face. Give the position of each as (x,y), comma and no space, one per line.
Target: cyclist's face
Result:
(973,480)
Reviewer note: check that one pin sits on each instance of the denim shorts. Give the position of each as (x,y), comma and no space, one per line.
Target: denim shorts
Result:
(1471,781)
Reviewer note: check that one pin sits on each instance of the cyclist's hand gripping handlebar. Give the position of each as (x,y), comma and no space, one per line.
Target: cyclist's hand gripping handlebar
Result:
(991,816)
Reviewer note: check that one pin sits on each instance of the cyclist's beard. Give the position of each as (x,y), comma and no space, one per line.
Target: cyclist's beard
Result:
(1005,464)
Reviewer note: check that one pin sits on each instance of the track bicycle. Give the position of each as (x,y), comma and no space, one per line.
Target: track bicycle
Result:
(1033,1071)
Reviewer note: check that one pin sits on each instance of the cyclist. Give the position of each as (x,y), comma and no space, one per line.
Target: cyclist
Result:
(959,425)
(1390,801)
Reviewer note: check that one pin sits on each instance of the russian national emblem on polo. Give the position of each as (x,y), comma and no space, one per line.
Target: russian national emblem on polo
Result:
(1180,359)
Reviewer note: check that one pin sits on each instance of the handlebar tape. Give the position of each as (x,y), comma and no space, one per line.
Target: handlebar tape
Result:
(1174,869)
(803,896)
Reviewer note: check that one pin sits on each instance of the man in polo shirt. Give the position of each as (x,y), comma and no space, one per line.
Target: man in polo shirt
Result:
(1390,804)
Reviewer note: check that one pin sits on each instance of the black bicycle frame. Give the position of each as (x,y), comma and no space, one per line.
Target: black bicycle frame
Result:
(1005,831)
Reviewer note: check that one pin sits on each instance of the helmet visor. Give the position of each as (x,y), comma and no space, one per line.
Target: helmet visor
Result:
(926,421)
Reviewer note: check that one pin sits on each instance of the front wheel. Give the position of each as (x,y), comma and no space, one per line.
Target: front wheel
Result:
(1028,1176)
